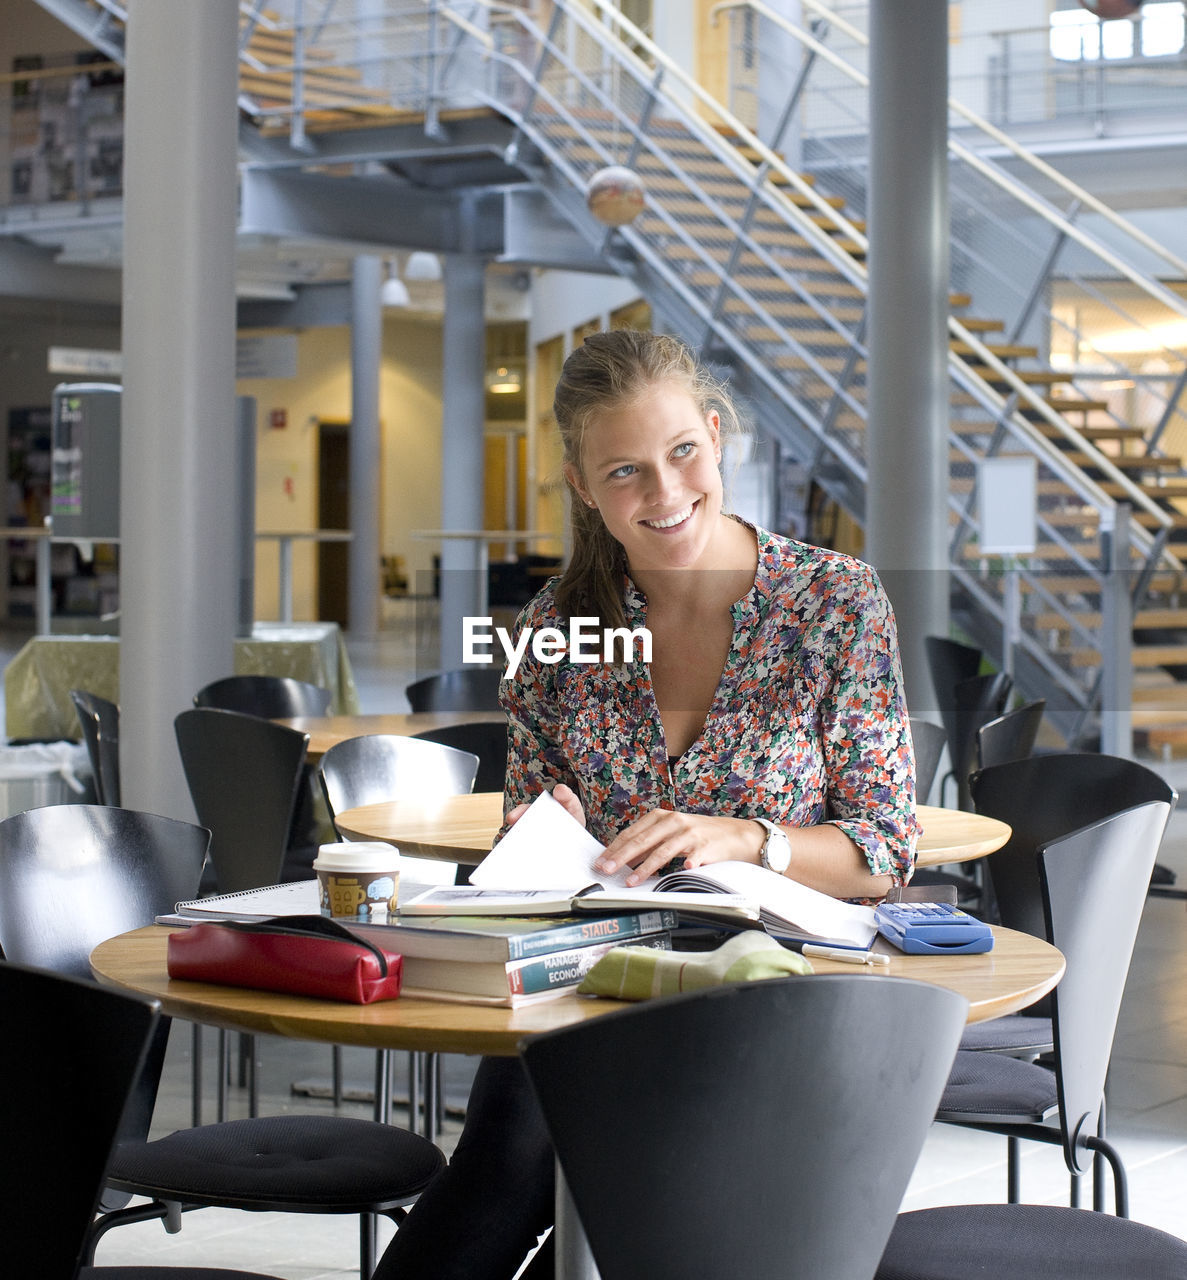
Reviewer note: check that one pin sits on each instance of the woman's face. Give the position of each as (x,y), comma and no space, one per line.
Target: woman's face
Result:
(651,469)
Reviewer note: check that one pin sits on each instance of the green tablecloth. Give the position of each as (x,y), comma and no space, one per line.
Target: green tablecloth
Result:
(37,682)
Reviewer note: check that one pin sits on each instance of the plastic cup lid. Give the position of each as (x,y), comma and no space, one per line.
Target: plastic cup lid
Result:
(357,855)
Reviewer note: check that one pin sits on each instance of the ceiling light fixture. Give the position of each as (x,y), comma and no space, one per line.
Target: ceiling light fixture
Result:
(423,266)
(503,381)
(394,292)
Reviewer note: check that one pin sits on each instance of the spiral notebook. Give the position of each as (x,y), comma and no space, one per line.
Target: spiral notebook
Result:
(300,898)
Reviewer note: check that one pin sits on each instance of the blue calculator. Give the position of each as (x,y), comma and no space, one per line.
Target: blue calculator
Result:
(932,929)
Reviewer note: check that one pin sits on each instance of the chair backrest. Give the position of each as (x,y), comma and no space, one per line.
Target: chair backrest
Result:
(1046,797)
(99,720)
(466,689)
(1094,885)
(485,739)
(977,700)
(64,1081)
(74,875)
(243,774)
(389,766)
(270,697)
(1010,736)
(949,662)
(729,1133)
(929,741)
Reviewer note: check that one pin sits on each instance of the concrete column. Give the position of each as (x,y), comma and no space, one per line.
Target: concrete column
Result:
(463,412)
(365,355)
(906,501)
(178,524)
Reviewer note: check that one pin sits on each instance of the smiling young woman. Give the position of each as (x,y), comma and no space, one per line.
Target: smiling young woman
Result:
(769,726)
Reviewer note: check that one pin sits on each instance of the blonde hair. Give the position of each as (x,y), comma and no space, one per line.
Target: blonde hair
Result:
(607,372)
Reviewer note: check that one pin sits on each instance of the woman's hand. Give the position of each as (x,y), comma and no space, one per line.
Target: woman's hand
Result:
(565,795)
(651,842)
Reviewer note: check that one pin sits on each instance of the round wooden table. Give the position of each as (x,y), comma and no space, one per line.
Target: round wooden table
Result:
(1017,972)
(463,828)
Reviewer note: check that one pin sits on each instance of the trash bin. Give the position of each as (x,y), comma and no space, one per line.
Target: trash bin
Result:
(41,773)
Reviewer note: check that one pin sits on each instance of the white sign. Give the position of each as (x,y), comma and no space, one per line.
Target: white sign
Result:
(266,356)
(82,360)
(1007,498)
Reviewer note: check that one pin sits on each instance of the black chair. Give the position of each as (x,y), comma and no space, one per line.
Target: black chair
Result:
(74,875)
(466,689)
(949,662)
(485,739)
(975,701)
(99,720)
(270,697)
(1092,887)
(1025,1241)
(70,1031)
(747,1143)
(387,766)
(1011,736)
(243,774)
(279,698)
(929,741)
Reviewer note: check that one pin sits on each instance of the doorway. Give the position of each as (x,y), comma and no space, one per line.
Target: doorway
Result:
(333,512)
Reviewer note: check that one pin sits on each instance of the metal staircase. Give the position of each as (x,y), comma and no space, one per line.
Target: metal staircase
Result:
(760,265)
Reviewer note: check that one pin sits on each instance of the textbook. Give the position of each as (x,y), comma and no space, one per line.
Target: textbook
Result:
(511,982)
(505,938)
(548,849)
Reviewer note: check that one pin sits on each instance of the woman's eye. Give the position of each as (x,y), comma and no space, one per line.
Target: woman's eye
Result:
(683,450)
(621,473)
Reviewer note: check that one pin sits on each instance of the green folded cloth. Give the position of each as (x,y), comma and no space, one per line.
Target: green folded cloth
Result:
(639,973)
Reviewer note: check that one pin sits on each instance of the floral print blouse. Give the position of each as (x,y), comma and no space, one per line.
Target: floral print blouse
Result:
(808,724)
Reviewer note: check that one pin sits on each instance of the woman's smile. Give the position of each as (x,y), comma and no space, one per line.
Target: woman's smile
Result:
(665,523)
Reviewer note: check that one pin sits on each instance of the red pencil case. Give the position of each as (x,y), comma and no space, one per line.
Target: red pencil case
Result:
(305,955)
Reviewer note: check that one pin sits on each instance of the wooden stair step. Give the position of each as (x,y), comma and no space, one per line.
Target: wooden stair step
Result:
(1145,656)
(1164,490)
(1143,620)
(1130,462)
(1003,350)
(1076,404)
(784,310)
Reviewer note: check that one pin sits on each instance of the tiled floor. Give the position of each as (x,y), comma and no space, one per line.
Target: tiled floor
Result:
(1148,1089)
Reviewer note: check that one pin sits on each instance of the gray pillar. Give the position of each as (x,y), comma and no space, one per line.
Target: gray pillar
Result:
(463,412)
(178,569)
(906,501)
(365,354)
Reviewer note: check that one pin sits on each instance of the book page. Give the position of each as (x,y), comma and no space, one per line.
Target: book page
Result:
(786,902)
(546,849)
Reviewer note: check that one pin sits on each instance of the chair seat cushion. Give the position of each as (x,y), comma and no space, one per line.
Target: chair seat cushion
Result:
(996,1089)
(1028,1242)
(1016,1033)
(325,1164)
(167,1273)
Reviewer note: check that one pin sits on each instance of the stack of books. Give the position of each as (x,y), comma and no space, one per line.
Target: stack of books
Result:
(509,960)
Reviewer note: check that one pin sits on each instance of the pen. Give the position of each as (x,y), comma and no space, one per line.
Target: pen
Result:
(845,957)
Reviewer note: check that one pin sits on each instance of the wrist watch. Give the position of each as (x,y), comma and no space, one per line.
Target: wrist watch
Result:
(775,853)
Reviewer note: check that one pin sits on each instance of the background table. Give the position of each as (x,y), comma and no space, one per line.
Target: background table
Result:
(38,680)
(327,731)
(462,829)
